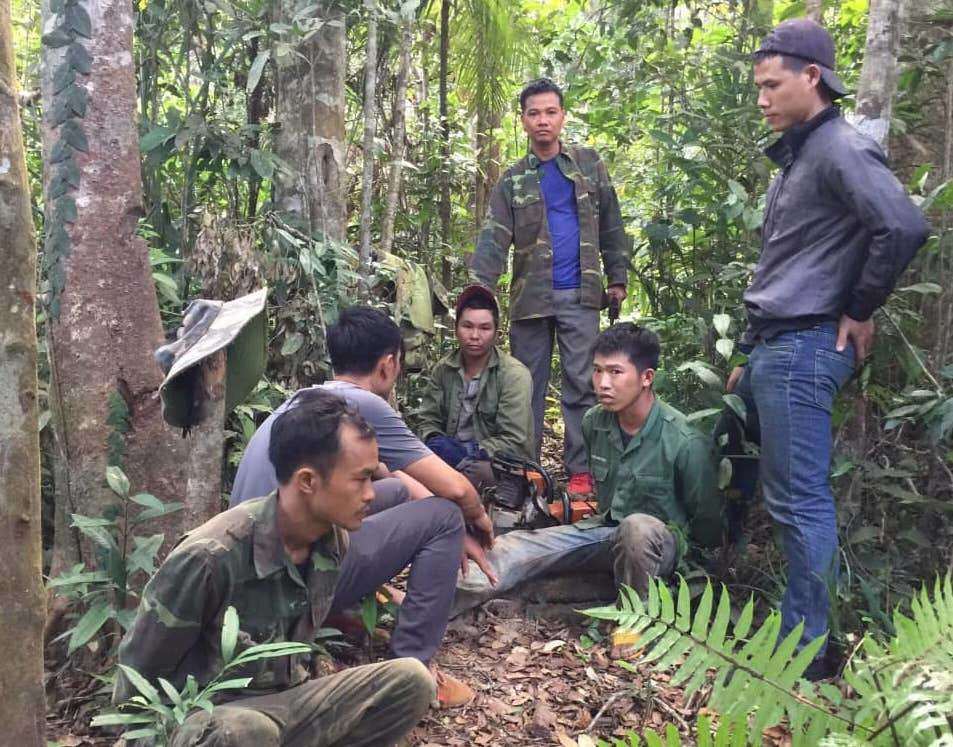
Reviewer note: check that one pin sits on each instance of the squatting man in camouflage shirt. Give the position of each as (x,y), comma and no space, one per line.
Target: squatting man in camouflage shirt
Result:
(277,560)
(655,480)
(559,210)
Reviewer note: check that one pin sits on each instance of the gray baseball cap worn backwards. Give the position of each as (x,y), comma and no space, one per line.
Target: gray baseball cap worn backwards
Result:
(809,41)
(239,327)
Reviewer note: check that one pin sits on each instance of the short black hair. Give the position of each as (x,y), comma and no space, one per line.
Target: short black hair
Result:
(639,344)
(795,65)
(308,433)
(360,338)
(479,302)
(536,87)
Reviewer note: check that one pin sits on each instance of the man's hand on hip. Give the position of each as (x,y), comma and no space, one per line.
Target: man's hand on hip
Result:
(861,334)
(733,378)
(618,292)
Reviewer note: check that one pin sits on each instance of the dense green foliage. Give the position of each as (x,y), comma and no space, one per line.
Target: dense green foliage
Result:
(664,90)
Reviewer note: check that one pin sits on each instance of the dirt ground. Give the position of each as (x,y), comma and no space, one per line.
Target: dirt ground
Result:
(537,682)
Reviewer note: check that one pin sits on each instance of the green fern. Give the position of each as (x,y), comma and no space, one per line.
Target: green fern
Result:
(906,685)
(904,688)
(750,672)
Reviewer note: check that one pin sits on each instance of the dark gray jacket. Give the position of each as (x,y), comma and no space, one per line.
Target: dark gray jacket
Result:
(838,230)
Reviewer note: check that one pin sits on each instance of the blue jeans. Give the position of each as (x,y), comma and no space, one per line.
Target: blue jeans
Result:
(791,380)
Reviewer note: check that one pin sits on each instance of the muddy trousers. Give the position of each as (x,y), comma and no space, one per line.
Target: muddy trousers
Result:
(377,704)
(638,548)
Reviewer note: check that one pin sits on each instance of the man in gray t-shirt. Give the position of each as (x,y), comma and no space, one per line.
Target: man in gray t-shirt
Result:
(365,352)
(399,448)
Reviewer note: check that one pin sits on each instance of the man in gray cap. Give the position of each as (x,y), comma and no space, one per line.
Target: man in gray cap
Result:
(838,231)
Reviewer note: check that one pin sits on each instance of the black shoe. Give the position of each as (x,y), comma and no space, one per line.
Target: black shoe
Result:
(820,669)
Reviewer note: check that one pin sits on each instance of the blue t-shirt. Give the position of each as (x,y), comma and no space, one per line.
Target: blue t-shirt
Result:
(562,217)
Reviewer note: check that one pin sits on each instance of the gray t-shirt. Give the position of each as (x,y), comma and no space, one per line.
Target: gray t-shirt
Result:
(468,403)
(398,446)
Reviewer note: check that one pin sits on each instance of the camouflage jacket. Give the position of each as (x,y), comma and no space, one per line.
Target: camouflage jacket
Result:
(668,470)
(236,559)
(503,418)
(517,216)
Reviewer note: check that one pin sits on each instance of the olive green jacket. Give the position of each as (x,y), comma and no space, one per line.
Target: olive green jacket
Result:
(667,470)
(517,216)
(503,418)
(235,559)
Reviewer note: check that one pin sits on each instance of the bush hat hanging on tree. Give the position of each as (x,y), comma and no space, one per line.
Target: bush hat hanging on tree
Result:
(240,328)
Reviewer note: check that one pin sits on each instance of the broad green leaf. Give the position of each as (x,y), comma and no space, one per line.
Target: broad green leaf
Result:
(154,138)
(121,719)
(229,634)
(369,612)
(88,625)
(141,684)
(147,499)
(924,289)
(72,579)
(292,343)
(261,164)
(703,372)
(169,689)
(737,404)
(721,322)
(725,347)
(118,481)
(257,68)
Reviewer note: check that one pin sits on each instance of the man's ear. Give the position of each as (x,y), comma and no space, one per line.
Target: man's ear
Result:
(813,75)
(648,376)
(305,480)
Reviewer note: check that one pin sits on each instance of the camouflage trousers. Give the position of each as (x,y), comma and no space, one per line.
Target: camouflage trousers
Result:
(376,704)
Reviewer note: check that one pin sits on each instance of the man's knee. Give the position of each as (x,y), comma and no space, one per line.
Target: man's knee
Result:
(227,726)
(447,515)
(646,540)
(412,678)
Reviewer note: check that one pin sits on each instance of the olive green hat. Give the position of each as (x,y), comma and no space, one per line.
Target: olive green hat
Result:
(240,328)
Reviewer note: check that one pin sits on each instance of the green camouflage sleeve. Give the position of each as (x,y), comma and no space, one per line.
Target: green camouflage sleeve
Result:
(431,415)
(493,243)
(613,241)
(176,604)
(514,416)
(696,486)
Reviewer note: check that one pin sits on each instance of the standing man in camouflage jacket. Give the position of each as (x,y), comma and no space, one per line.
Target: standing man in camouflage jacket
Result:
(559,210)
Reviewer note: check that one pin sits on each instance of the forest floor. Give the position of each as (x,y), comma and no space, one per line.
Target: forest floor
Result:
(542,674)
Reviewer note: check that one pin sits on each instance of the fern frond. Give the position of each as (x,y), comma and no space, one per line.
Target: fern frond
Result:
(906,686)
(753,675)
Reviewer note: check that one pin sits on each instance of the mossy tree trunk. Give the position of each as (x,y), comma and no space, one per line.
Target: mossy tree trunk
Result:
(310,111)
(22,610)
(104,315)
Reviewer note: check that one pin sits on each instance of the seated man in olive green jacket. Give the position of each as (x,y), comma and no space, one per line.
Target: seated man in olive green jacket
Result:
(478,400)
(655,476)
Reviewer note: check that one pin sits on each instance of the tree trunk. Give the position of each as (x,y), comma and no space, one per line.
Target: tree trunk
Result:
(310,110)
(400,144)
(104,316)
(22,707)
(814,9)
(878,76)
(874,97)
(444,209)
(488,163)
(370,133)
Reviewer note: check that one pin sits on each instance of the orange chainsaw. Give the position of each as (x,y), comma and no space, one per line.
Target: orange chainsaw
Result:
(527,497)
